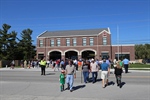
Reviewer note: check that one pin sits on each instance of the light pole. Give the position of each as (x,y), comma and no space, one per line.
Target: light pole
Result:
(118,41)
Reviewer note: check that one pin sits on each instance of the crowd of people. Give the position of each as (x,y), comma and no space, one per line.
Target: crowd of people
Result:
(91,66)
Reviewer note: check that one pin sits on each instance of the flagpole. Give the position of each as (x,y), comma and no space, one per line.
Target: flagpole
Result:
(118,40)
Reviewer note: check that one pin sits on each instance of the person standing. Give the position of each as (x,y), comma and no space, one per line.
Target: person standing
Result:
(48,63)
(108,62)
(94,69)
(105,73)
(75,62)
(114,63)
(53,64)
(22,65)
(57,65)
(118,74)
(25,64)
(85,71)
(32,63)
(126,64)
(62,64)
(79,64)
(29,64)
(12,64)
(43,65)
(62,80)
(71,74)
(120,63)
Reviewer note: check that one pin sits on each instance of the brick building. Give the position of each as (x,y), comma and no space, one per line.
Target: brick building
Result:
(92,43)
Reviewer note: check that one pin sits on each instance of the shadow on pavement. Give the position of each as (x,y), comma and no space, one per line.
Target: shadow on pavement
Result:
(99,80)
(78,87)
(111,83)
(50,74)
(122,83)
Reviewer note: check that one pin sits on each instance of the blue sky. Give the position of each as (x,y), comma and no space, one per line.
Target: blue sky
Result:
(128,18)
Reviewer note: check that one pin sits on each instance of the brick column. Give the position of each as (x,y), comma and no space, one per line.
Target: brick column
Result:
(63,57)
(79,57)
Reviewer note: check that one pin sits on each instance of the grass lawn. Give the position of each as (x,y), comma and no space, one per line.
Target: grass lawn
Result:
(138,65)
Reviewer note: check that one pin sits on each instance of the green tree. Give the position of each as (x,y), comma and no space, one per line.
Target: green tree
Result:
(25,45)
(12,46)
(147,49)
(10,49)
(142,51)
(7,43)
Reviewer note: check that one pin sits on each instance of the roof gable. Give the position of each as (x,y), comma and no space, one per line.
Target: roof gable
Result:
(66,33)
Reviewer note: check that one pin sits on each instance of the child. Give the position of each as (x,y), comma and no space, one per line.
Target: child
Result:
(118,73)
(62,80)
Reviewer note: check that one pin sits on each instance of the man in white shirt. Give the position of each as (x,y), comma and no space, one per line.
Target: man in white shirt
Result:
(94,70)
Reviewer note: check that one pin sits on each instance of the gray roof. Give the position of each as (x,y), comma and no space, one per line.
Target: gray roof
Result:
(66,33)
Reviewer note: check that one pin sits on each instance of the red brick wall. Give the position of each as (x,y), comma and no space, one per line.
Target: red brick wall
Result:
(123,49)
(100,38)
(97,39)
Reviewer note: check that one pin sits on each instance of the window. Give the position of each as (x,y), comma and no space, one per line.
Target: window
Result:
(40,56)
(41,43)
(122,56)
(74,42)
(104,41)
(52,42)
(58,42)
(67,42)
(84,41)
(91,41)
(105,55)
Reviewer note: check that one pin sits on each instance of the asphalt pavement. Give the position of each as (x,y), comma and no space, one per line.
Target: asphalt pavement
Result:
(28,84)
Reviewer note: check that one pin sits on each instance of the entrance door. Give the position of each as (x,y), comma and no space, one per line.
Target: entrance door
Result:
(71,55)
(55,55)
(88,54)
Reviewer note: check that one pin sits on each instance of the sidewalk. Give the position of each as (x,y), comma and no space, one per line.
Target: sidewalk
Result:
(50,69)
(27,69)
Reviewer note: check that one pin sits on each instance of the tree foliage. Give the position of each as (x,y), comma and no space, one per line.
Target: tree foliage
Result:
(13,48)
(26,43)
(142,51)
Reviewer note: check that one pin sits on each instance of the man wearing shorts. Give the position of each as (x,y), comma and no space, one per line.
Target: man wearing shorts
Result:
(105,73)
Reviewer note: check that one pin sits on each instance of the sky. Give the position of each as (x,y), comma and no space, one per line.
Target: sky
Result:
(128,20)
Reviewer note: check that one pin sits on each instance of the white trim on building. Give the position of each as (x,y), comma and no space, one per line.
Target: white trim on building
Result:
(72,50)
(55,50)
(89,49)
